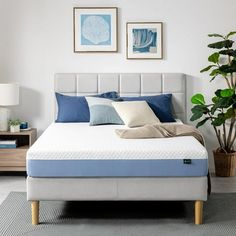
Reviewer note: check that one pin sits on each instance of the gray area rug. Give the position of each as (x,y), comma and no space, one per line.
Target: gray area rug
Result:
(118,218)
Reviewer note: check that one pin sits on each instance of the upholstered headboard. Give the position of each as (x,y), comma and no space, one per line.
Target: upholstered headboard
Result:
(126,84)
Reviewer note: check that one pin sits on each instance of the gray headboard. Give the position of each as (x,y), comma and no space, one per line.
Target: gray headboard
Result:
(126,84)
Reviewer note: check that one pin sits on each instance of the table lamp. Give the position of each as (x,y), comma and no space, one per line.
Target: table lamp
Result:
(9,96)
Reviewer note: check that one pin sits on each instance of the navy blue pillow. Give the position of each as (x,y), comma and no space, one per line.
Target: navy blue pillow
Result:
(75,108)
(160,104)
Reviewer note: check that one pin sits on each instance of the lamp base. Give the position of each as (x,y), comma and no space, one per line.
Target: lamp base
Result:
(4,117)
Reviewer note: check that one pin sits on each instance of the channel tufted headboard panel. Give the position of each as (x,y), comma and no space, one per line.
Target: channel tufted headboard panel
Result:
(127,84)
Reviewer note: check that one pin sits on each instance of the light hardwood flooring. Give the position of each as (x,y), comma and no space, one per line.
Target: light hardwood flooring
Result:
(17,183)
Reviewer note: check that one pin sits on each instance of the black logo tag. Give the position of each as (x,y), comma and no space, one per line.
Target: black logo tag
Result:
(187,161)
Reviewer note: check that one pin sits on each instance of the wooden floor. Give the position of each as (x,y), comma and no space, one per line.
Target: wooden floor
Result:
(9,183)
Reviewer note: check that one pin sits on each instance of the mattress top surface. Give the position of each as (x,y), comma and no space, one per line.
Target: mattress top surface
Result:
(81,141)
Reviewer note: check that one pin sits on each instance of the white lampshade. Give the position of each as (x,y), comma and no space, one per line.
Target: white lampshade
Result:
(9,94)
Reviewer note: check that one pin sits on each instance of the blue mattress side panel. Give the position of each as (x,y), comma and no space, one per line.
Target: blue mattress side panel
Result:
(116,168)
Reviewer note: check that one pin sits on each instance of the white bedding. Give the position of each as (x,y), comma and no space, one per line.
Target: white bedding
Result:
(81,141)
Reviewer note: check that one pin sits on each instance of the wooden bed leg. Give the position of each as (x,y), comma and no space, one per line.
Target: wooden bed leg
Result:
(198,212)
(35,212)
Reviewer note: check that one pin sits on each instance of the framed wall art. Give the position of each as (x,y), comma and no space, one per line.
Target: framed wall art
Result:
(95,29)
(144,40)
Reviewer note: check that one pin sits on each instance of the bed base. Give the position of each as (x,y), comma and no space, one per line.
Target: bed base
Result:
(198,212)
(117,189)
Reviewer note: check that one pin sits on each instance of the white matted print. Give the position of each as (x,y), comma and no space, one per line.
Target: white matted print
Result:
(95,29)
(144,40)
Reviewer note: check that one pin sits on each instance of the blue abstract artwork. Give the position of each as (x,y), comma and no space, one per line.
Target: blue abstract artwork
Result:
(95,29)
(144,40)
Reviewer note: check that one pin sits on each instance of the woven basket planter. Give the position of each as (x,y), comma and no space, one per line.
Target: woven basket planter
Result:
(225,164)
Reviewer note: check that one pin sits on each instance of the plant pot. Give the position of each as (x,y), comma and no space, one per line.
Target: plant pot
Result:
(14,128)
(225,164)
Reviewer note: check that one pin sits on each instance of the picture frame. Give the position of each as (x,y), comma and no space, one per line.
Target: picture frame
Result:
(144,40)
(95,29)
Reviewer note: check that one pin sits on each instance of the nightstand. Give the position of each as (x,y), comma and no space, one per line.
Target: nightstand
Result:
(14,159)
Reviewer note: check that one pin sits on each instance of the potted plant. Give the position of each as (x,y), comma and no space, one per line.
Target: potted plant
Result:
(221,112)
(14,125)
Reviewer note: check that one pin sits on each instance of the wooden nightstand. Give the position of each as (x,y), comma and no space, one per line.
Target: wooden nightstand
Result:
(14,159)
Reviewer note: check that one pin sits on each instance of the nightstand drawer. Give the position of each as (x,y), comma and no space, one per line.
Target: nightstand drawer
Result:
(12,157)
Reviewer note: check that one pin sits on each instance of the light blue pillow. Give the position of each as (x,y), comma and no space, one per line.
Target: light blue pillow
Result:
(102,112)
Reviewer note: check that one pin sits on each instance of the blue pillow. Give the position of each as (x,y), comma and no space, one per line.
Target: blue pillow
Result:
(102,112)
(75,108)
(160,104)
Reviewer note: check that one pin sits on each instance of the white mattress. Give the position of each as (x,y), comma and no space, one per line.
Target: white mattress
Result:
(81,141)
(80,150)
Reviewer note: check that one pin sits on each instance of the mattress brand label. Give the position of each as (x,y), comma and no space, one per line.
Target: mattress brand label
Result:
(187,161)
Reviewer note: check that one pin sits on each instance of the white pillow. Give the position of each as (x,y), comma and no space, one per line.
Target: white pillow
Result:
(135,113)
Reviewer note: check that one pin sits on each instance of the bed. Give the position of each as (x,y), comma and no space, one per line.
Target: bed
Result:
(74,161)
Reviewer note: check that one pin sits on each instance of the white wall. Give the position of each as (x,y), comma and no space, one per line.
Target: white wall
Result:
(36,42)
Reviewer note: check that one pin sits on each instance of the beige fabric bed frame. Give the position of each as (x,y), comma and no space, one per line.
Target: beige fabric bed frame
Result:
(133,189)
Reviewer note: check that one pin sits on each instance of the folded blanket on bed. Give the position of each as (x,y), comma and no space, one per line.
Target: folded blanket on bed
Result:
(160,131)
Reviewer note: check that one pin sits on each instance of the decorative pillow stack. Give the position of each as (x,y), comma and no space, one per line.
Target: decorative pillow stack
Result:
(109,108)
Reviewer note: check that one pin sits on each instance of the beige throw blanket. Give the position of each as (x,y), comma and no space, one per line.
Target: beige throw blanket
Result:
(160,131)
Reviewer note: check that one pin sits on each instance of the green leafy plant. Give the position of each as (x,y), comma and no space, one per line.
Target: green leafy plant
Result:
(14,122)
(223,106)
